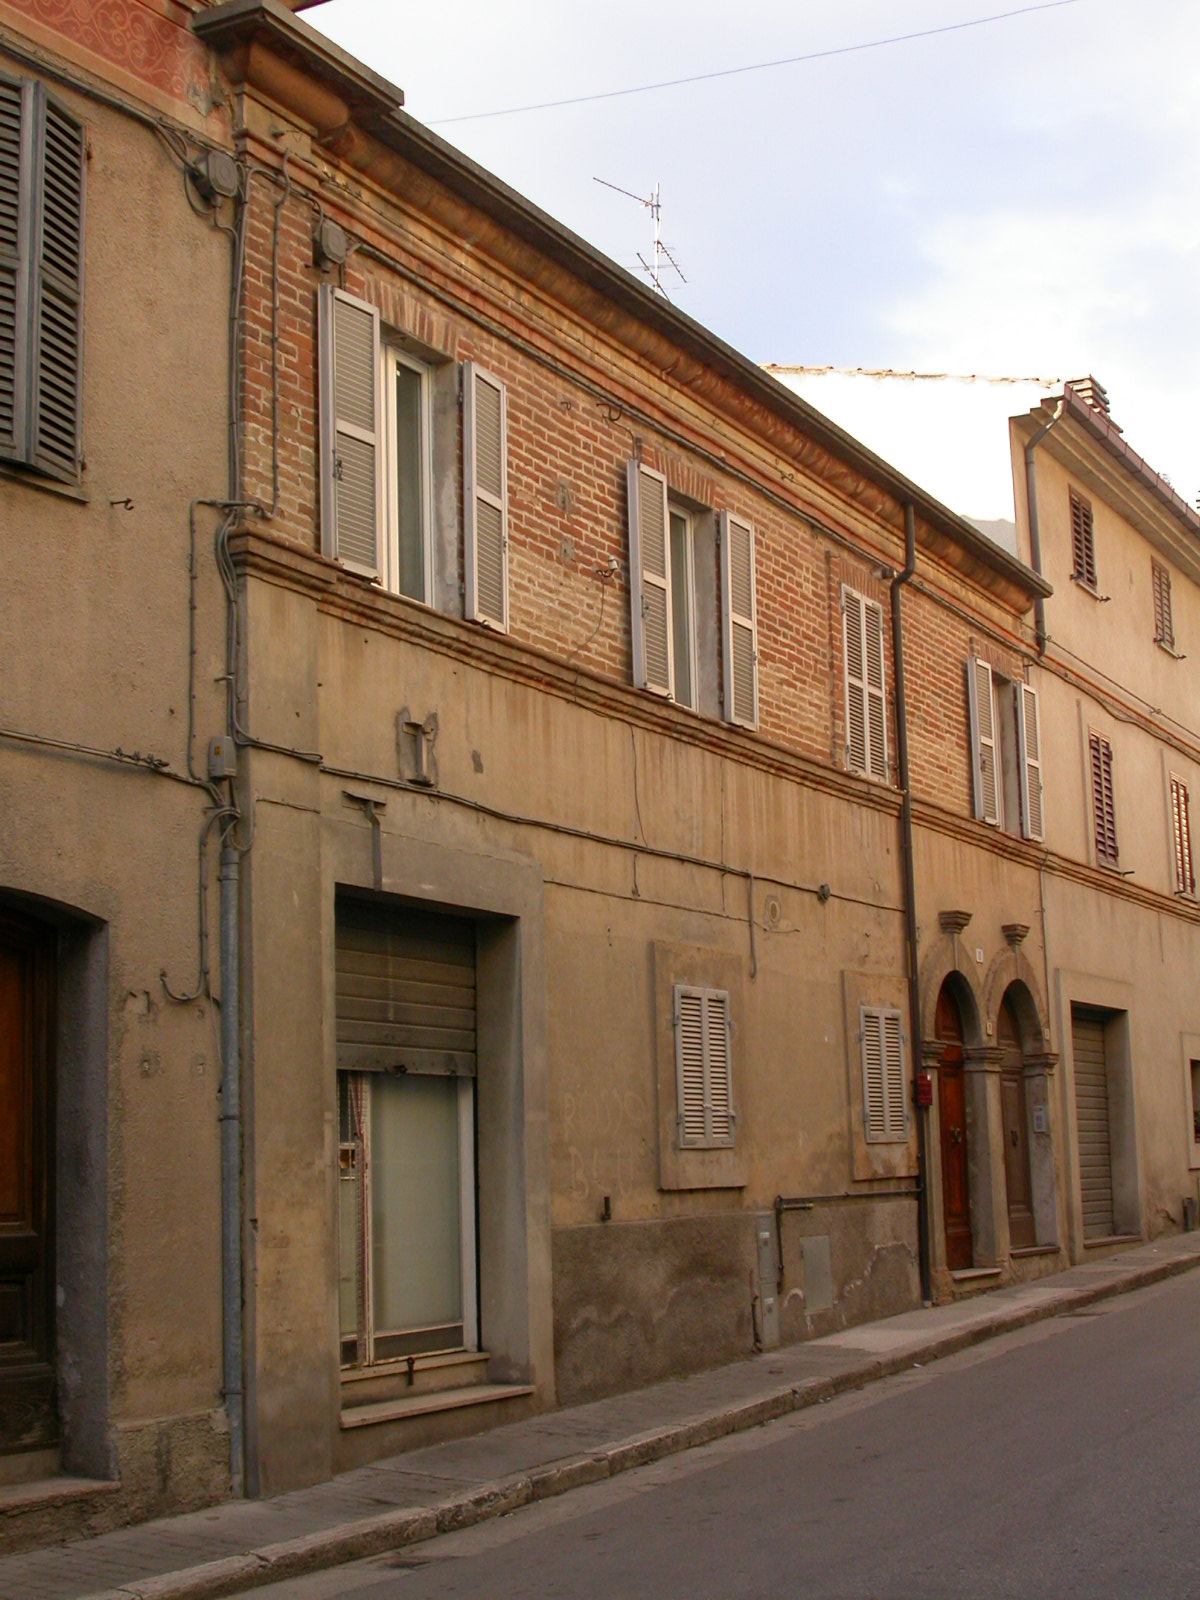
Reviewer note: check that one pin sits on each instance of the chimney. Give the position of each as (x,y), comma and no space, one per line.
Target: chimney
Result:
(1093,393)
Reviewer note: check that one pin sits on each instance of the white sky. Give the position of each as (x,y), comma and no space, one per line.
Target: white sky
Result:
(1020,198)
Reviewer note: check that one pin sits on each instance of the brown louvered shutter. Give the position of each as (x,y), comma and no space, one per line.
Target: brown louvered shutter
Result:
(1029,756)
(351,452)
(650,579)
(11,252)
(485,496)
(1164,626)
(1103,806)
(1181,833)
(985,784)
(740,641)
(1083,546)
(57,323)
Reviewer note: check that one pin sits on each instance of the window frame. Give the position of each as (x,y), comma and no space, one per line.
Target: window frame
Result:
(393,356)
(682,587)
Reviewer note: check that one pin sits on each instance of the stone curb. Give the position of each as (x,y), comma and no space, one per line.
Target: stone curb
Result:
(392,1530)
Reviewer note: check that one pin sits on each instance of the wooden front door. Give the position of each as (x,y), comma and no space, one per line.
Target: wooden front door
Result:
(28,1418)
(1021,1231)
(952,1115)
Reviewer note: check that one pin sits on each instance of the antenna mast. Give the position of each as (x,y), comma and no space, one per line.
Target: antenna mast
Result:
(662,252)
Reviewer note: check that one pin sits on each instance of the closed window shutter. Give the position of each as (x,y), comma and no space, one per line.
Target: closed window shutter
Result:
(1103,807)
(876,715)
(1164,628)
(650,579)
(703,1068)
(351,447)
(1181,829)
(485,496)
(1029,756)
(57,355)
(12,252)
(980,700)
(740,643)
(1083,545)
(885,1107)
(856,688)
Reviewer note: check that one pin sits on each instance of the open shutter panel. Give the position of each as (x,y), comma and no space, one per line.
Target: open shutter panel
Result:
(856,688)
(1029,754)
(984,786)
(1102,799)
(876,716)
(740,645)
(351,453)
(650,579)
(718,1073)
(893,1062)
(689,1064)
(57,354)
(10,260)
(485,496)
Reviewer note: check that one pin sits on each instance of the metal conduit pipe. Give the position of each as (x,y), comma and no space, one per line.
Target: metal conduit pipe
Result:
(231,1170)
(1035,537)
(910,898)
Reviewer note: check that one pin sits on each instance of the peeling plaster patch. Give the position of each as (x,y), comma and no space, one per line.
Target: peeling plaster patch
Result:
(476,760)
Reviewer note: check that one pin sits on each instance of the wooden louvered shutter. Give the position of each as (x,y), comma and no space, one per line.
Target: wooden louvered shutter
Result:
(13,250)
(485,496)
(351,447)
(703,1068)
(1164,627)
(1029,757)
(981,702)
(650,579)
(1083,543)
(885,1113)
(876,714)
(56,357)
(856,688)
(1181,836)
(1103,805)
(740,643)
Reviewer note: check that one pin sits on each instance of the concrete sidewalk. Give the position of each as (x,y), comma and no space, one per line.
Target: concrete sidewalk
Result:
(412,1497)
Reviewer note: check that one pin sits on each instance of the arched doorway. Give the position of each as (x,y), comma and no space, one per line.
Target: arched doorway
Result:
(952,1118)
(1021,1229)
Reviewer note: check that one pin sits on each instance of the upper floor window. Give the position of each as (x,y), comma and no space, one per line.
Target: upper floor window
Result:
(42,156)
(1104,815)
(377,462)
(1181,837)
(1164,626)
(866,715)
(674,607)
(1006,751)
(1083,544)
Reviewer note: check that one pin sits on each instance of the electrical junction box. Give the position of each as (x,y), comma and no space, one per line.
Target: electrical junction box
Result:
(222,758)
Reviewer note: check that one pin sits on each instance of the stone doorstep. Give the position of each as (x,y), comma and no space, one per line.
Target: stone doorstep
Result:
(43,1494)
(425,1404)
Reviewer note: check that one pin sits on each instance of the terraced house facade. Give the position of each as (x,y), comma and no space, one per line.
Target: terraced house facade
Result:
(525,849)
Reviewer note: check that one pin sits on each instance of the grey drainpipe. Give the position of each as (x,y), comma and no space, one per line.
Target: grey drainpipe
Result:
(231,1170)
(1035,538)
(910,897)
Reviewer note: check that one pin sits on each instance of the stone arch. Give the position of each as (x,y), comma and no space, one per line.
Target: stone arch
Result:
(945,959)
(1010,969)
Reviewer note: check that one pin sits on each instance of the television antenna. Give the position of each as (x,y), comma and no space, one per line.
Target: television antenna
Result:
(662,256)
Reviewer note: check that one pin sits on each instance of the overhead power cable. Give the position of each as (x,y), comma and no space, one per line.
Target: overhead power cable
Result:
(756,66)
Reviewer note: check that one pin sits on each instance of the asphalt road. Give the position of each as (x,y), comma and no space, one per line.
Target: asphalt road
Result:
(1060,1461)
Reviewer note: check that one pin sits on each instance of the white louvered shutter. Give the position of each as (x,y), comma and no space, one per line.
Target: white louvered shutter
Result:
(351,447)
(1029,756)
(485,496)
(740,644)
(650,579)
(56,367)
(12,240)
(874,1098)
(893,1070)
(876,714)
(703,1068)
(985,786)
(856,688)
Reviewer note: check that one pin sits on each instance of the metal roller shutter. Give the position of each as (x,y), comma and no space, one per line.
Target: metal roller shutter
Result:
(405,991)
(1091,1117)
